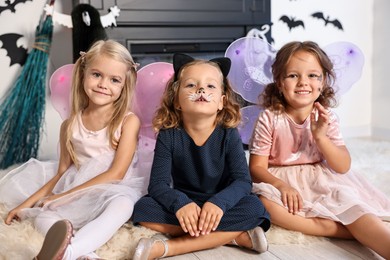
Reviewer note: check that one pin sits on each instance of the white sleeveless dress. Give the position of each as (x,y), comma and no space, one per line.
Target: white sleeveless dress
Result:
(95,156)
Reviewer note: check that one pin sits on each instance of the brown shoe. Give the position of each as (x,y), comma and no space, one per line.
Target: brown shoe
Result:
(56,241)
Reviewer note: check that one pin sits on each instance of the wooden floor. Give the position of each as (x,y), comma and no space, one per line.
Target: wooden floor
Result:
(327,249)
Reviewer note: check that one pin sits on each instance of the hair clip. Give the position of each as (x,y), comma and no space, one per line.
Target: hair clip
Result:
(82,55)
(180,59)
(135,65)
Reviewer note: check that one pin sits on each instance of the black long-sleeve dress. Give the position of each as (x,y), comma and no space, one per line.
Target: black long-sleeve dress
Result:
(216,172)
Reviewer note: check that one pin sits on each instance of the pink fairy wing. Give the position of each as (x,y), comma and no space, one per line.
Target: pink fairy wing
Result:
(250,72)
(348,61)
(60,87)
(151,82)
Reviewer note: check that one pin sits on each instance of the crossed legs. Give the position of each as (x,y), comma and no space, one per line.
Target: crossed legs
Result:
(183,243)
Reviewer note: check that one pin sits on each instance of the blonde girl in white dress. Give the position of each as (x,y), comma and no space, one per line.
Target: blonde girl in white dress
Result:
(99,176)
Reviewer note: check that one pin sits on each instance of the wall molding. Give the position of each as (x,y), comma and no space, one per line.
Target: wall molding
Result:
(382,133)
(356,131)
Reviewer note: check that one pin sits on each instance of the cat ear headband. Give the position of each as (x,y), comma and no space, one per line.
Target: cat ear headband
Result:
(180,59)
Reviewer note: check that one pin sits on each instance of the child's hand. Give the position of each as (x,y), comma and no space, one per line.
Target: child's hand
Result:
(210,217)
(319,120)
(291,198)
(12,215)
(188,217)
(45,200)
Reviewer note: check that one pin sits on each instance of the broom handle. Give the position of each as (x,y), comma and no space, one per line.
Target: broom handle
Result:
(43,16)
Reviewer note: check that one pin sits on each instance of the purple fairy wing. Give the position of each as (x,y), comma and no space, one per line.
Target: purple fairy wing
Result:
(249,118)
(151,82)
(348,61)
(252,59)
(60,87)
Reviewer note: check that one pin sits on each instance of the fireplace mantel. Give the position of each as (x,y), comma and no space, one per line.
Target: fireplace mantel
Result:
(167,26)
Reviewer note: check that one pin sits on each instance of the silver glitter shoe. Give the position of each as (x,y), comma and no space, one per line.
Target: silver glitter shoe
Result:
(259,240)
(145,245)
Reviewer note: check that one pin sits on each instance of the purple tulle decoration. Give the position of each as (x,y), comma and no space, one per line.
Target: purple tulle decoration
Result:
(348,61)
(251,66)
(249,118)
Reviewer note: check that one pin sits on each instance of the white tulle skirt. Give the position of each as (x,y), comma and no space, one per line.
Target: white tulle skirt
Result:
(82,206)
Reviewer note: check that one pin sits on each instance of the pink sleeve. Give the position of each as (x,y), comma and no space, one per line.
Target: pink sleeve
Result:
(334,132)
(261,141)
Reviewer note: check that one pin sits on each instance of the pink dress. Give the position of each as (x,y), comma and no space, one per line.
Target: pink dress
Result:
(95,155)
(295,159)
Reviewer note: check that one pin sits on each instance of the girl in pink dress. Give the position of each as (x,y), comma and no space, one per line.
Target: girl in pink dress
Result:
(299,162)
(100,175)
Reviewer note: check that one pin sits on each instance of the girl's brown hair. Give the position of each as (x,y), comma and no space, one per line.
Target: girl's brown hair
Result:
(271,97)
(169,116)
(118,52)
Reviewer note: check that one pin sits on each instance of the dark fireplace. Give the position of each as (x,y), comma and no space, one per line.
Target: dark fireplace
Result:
(153,30)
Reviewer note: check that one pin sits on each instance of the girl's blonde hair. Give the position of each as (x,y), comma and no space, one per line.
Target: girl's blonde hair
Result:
(79,102)
(168,114)
(271,97)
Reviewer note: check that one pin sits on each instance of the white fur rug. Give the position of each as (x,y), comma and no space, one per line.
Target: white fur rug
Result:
(21,241)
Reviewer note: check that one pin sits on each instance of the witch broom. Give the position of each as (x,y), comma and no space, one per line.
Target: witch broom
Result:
(23,109)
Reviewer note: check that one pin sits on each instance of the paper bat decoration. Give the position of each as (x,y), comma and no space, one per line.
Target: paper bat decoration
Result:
(335,22)
(291,22)
(66,20)
(16,54)
(11,5)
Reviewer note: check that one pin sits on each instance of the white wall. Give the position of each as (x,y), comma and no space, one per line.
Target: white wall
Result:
(381,63)
(24,21)
(355,106)
(363,107)
(61,53)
